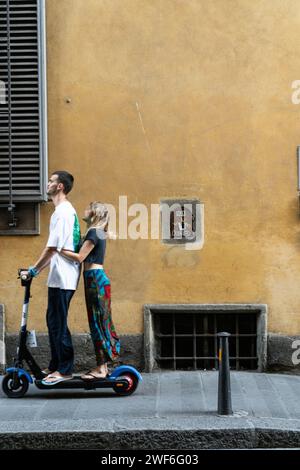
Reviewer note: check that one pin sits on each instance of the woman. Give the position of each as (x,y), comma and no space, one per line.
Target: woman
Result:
(97,289)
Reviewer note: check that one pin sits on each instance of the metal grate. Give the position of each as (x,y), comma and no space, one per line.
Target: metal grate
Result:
(179,220)
(22,115)
(189,340)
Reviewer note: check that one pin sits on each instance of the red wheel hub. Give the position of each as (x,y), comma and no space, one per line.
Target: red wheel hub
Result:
(129,380)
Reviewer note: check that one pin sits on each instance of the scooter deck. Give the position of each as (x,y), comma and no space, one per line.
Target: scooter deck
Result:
(77,382)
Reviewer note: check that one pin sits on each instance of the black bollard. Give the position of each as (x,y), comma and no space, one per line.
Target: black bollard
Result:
(224,389)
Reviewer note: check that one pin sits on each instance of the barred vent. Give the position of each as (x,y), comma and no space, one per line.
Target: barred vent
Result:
(190,341)
(184,336)
(22,161)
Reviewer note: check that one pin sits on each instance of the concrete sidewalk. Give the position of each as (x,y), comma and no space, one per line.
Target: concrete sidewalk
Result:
(169,410)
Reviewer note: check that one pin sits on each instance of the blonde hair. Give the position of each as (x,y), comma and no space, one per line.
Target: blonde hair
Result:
(99,216)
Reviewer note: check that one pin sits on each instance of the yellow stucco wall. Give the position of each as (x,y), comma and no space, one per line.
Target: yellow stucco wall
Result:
(176,98)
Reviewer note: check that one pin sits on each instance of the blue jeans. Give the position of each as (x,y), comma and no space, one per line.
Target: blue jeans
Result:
(62,353)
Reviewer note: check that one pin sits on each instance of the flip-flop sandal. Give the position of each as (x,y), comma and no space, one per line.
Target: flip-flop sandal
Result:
(47,371)
(58,379)
(90,376)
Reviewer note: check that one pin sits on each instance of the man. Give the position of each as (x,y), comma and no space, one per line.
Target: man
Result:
(63,276)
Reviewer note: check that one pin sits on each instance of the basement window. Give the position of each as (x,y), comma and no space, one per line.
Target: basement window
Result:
(183,339)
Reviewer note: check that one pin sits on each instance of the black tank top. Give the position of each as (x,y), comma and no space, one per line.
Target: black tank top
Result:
(98,237)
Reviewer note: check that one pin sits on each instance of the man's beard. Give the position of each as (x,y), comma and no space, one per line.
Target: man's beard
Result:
(52,192)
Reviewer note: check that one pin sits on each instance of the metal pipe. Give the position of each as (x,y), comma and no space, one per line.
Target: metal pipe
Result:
(224,389)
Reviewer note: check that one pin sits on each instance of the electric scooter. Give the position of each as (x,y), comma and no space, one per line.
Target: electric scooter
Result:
(123,380)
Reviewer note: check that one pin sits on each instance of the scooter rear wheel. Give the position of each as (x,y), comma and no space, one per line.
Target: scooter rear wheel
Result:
(132,381)
(10,390)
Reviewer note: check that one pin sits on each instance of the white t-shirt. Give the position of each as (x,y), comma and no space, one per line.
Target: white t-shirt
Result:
(64,233)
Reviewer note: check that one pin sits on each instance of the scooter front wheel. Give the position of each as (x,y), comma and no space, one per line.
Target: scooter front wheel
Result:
(16,390)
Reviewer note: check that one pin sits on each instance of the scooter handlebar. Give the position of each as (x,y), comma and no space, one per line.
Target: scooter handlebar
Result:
(24,275)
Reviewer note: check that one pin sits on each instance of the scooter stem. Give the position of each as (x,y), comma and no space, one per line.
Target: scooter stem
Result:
(25,282)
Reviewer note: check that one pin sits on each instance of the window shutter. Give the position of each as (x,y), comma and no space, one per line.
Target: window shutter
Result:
(23,136)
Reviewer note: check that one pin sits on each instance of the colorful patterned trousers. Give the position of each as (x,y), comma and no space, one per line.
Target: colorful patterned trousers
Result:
(98,304)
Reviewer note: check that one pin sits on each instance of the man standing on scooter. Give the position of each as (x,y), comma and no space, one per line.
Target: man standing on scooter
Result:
(63,276)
